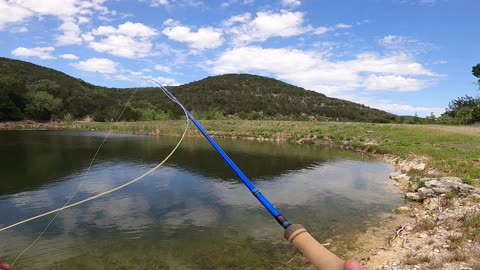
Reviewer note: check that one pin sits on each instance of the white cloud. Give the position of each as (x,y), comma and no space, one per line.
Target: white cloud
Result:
(170,22)
(403,109)
(242,18)
(343,26)
(71,34)
(123,77)
(399,108)
(407,109)
(82,20)
(314,70)
(163,68)
(163,80)
(404,44)
(392,82)
(322,30)
(40,52)
(88,37)
(157,3)
(291,3)
(170,3)
(232,2)
(123,46)
(18,11)
(398,64)
(12,13)
(203,38)
(396,42)
(127,29)
(20,29)
(167,81)
(69,56)
(266,25)
(101,65)
(129,40)
(440,62)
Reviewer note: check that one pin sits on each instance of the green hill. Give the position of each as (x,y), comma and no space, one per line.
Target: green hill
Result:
(29,91)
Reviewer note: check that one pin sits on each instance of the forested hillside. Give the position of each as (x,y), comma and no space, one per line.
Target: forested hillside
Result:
(28,91)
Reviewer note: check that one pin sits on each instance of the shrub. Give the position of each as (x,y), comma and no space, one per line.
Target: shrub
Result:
(68,118)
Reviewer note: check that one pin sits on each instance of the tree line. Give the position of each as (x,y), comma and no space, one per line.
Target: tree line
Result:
(464,110)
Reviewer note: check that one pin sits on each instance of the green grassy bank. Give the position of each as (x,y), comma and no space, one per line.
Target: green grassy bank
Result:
(451,150)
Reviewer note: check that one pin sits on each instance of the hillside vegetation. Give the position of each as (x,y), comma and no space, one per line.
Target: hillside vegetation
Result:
(29,91)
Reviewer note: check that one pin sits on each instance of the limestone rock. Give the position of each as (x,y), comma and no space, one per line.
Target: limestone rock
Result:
(400,177)
(449,184)
(413,196)
(424,192)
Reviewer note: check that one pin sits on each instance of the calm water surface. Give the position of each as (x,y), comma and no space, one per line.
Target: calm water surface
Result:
(191,213)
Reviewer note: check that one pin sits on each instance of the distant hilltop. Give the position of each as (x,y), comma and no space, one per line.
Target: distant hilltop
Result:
(29,91)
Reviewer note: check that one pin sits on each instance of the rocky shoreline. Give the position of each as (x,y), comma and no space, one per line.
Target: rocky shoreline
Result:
(439,228)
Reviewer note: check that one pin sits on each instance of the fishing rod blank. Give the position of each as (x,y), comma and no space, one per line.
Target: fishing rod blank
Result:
(318,255)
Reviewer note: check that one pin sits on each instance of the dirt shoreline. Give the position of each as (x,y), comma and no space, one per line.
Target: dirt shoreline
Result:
(431,232)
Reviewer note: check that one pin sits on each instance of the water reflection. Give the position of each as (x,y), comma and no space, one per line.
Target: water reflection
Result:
(185,210)
(31,159)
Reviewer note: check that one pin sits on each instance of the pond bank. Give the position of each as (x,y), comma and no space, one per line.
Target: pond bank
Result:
(440,230)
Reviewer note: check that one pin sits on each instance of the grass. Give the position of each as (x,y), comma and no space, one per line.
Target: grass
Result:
(451,150)
(457,239)
(472,226)
(448,200)
(472,222)
(424,225)
(413,259)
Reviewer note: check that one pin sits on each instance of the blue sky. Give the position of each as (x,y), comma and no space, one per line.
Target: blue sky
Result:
(402,56)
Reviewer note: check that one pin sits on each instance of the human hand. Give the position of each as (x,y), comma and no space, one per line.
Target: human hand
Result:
(353,265)
(4,266)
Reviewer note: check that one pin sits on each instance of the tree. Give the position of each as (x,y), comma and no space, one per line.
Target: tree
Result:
(476,72)
(465,116)
(12,99)
(42,106)
(8,110)
(455,105)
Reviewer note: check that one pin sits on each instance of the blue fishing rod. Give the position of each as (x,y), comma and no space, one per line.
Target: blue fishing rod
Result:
(318,255)
(260,197)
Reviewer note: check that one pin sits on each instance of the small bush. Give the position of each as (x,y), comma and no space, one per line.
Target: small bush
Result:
(424,225)
(421,183)
(69,118)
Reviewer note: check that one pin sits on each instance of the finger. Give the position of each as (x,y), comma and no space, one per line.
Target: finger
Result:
(353,265)
(5,266)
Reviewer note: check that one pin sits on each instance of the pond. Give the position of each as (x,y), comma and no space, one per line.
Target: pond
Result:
(192,213)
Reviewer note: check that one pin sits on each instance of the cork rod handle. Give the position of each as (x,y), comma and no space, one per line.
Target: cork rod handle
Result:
(315,252)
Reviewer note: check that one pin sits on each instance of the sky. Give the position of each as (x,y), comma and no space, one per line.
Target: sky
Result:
(402,56)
